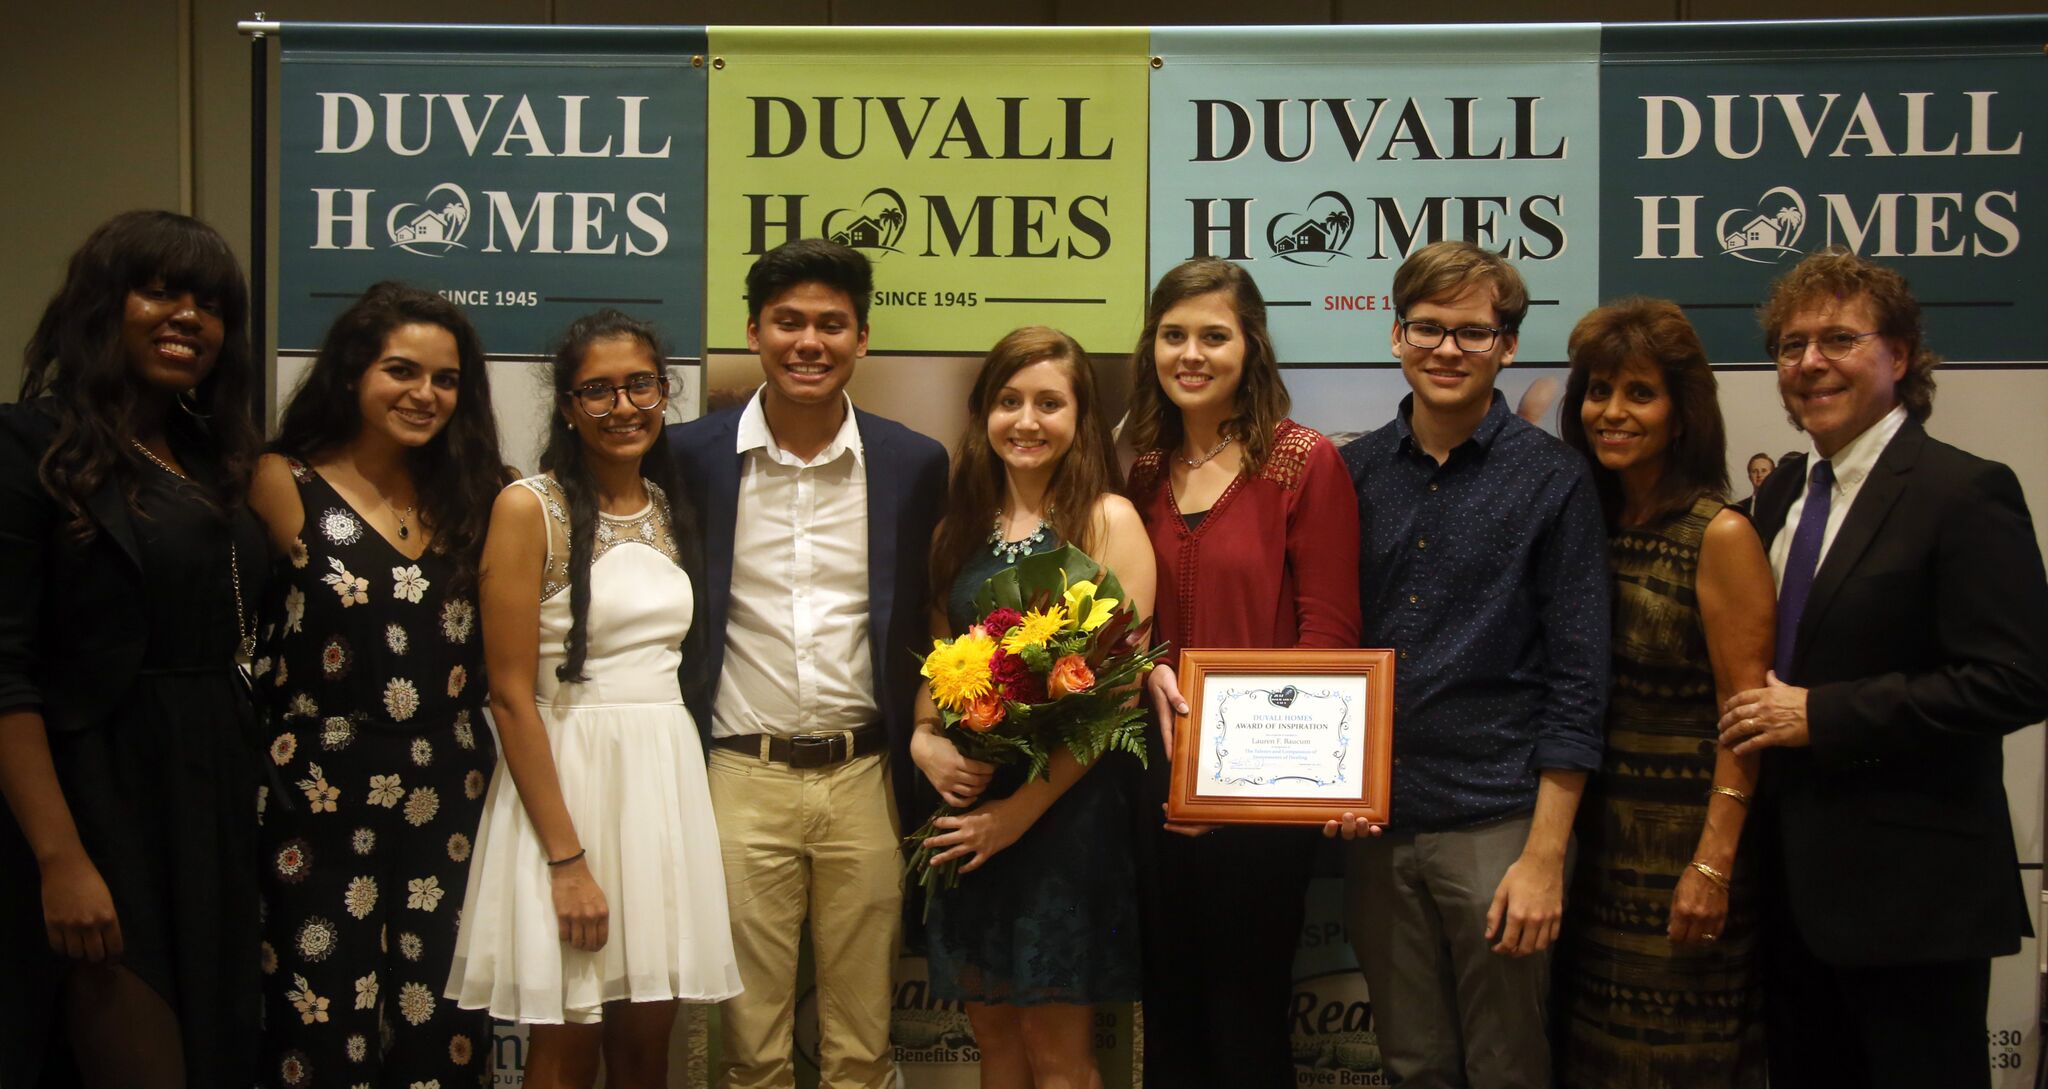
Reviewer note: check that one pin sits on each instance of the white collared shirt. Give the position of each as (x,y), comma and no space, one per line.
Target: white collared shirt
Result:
(796,631)
(1852,465)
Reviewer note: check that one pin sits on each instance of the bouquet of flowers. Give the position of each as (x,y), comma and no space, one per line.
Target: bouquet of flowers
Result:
(1055,659)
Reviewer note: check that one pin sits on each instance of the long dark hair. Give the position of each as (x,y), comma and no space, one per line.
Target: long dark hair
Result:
(1153,422)
(459,471)
(1084,474)
(1656,332)
(75,364)
(564,458)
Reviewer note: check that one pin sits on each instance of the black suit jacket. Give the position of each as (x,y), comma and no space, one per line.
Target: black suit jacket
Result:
(1924,642)
(906,478)
(72,628)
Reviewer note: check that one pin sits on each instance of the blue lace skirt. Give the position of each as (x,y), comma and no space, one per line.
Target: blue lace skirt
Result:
(1054,918)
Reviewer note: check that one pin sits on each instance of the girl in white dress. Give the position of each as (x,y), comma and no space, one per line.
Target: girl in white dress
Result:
(597,898)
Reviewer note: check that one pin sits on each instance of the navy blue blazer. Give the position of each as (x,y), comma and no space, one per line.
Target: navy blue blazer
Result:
(906,476)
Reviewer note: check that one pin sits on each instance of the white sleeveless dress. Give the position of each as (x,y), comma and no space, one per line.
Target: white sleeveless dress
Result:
(632,774)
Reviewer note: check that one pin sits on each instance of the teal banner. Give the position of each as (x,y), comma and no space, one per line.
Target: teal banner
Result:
(1320,157)
(1732,151)
(531,174)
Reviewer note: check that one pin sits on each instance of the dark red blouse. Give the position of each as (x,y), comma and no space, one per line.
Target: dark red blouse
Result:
(1274,563)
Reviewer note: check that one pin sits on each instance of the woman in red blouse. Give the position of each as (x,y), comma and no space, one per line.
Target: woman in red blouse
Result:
(1255,525)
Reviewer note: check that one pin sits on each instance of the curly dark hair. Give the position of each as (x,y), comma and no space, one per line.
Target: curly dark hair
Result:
(458,472)
(1656,332)
(74,364)
(1836,274)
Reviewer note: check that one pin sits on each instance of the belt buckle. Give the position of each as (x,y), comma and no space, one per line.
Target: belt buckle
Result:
(816,750)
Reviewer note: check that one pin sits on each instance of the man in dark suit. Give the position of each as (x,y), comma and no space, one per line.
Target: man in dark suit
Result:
(1912,636)
(817,519)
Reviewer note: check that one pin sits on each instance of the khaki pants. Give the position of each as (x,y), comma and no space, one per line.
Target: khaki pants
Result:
(818,843)
(1450,1012)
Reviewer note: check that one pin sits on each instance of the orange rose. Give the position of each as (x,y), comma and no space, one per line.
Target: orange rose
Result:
(983,712)
(1069,674)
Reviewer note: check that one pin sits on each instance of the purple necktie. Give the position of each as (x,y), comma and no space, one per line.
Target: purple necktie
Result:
(1800,563)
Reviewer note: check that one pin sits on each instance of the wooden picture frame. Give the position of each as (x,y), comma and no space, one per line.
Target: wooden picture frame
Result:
(1283,737)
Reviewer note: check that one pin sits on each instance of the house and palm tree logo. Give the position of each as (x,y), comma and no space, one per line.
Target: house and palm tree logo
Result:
(875,227)
(1316,235)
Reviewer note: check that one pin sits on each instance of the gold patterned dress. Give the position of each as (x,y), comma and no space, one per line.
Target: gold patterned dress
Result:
(1632,1009)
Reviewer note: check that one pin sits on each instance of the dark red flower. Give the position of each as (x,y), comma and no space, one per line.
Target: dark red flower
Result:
(1015,679)
(999,621)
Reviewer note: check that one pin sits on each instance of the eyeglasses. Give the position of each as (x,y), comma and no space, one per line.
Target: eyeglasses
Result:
(597,399)
(1834,347)
(1429,334)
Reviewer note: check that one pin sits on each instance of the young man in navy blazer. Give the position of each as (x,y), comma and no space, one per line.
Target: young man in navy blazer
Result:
(817,520)
(1912,636)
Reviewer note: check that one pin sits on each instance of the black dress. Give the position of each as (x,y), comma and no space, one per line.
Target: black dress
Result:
(372,681)
(1054,917)
(163,791)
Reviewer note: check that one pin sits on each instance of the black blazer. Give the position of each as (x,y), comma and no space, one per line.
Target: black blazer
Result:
(906,478)
(1924,642)
(72,629)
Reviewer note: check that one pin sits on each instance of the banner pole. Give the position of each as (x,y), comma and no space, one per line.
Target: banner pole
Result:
(259,32)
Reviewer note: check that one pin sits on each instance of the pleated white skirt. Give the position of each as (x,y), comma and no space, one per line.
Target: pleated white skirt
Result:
(633,779)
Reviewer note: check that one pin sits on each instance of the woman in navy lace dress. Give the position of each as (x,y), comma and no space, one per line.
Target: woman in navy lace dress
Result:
(1044,921)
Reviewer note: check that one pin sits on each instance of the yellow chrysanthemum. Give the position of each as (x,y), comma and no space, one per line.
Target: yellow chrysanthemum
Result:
(1100,609)
(959,670)
(1038,626)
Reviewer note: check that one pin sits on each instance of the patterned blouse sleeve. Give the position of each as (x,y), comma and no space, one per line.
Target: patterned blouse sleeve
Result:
(1322,548)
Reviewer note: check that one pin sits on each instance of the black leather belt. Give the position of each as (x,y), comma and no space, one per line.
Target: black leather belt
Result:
(808,750)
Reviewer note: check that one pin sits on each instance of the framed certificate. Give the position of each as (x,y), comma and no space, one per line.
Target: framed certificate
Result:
(1283,736)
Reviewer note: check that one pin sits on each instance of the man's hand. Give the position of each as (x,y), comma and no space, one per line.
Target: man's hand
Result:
(1763,717)
(1351,826)
(1528,907)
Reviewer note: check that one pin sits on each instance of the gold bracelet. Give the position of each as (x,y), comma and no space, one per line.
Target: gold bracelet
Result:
(1732,793)
(1719,879)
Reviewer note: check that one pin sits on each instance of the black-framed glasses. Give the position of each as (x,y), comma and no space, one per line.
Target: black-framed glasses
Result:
(1469,338)
(1834,347)
(597,399)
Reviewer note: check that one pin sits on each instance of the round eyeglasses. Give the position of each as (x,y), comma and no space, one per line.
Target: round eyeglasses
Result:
(598,399)
(1469,338)
(1834,347)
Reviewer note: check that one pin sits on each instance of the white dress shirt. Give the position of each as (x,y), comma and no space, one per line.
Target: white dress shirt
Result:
(1852,465)
(796,631)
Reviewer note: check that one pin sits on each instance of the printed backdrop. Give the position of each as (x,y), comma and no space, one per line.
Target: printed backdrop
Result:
(1004,177)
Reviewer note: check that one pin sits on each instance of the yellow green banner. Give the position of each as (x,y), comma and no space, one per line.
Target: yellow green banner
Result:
(995,177)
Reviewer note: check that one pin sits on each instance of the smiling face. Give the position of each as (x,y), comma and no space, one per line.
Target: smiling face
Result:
(624,435)
(808,338)
(1837,400)
(408,393)
(1449,382)
(1199,352)
(1032,420)
(171,337)
(1627,415)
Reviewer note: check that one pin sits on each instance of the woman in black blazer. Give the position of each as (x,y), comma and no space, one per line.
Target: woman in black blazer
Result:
(128,572)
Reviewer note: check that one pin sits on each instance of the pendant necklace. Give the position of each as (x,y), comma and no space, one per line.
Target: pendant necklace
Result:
(1196,463)
(1009,551)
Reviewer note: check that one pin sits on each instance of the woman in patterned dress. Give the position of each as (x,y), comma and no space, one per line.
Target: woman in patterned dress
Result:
(1656,974)
(1044,922)
(597,901)
(129,572)
(376,495)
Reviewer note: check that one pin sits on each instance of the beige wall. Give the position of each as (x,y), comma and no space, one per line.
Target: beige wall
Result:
(108,105)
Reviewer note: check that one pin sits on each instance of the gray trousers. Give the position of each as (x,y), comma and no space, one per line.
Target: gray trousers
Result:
(1450,1013)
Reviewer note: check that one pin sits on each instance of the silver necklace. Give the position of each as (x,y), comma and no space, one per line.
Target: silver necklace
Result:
(245,640)
(1009,551)
(1196,463)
